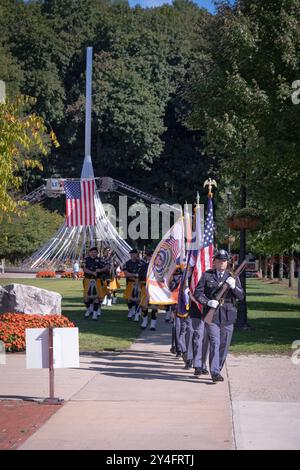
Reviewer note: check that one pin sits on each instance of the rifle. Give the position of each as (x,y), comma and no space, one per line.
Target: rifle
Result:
(222,293)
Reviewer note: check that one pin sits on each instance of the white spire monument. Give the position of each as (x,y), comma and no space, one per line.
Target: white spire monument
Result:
(72,243)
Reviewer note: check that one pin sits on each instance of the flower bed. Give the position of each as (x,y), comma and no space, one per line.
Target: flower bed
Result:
(13,325)
(70,274)
(42,274)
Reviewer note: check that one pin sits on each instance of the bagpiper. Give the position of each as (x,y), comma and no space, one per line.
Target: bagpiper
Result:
(131,270)
(111,282)
(144,298)
(94,289)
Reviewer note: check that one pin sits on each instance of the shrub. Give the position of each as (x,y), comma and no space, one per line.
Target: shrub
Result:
(13,326)
(69,274)
(246,212)
(66,274)
(45,274)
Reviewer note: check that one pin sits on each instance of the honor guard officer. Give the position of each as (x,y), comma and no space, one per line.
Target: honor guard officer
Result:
(93,287)
(220,331)
(178,340)
(144,300)
(131,269)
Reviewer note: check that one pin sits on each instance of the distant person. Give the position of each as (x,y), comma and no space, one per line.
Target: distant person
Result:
(131,269)
(111,281)
(76,270)
(144,301)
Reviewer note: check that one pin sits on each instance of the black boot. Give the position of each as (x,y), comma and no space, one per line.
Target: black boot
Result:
(188,364)
(217,378)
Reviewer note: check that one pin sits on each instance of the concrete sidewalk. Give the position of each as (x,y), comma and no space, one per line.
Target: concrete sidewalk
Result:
(138,399)
(265,402)
(144,399)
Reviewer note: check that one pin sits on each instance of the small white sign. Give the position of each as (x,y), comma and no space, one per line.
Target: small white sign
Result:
(65,348)
(37,348)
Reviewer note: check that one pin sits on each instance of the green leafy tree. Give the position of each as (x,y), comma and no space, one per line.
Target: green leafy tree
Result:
(23,236)
(23,138)
(240,95)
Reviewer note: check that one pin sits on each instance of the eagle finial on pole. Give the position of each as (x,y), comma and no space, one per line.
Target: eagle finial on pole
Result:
(210,183)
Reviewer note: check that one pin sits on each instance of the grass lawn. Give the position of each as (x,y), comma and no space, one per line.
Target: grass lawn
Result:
(111,332)
(273,313)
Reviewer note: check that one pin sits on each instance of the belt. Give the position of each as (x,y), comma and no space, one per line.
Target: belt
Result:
(227,302)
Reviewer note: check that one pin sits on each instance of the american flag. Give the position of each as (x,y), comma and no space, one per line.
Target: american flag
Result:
(80,205)
(204,257)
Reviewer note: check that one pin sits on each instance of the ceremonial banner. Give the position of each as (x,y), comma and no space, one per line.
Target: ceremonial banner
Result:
(169,253)
(80,205)
(202,259)
(183,294)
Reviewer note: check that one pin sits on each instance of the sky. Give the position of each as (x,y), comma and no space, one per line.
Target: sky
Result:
(208,4)
(155,3)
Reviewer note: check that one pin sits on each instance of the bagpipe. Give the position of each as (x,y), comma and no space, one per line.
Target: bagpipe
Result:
(136,292)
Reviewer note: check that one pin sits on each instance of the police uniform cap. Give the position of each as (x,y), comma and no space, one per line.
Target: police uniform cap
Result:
(133,251)
(222,254)
(94,248)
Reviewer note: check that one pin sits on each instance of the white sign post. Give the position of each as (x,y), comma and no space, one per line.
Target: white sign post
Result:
(52,348)
(2,353)
(2,91)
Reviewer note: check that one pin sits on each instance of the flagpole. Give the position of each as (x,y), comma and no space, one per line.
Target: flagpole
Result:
(88,114)
(87,168)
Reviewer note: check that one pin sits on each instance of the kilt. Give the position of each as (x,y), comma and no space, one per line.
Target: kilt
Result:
(132,292)
(144,298)
(112,284)
(93,289)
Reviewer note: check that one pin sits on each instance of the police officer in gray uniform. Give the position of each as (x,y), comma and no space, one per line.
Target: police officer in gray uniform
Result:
(220,331)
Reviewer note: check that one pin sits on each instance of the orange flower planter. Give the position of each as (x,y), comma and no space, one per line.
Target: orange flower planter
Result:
(243,223)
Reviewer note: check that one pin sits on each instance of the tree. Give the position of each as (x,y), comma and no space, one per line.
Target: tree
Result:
(23,138)
(240,96)
(23,236)
(142,58)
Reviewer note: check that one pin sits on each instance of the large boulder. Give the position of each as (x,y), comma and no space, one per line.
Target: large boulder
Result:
(29,299)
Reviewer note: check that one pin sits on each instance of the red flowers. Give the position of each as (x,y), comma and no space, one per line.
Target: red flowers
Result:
(65,274)
(45,274)
(13,325)
(69,274)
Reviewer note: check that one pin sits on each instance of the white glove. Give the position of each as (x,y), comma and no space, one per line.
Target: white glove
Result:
(231,282)
(213,303)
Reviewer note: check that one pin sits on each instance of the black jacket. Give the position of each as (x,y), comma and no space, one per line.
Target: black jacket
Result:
(207,289)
